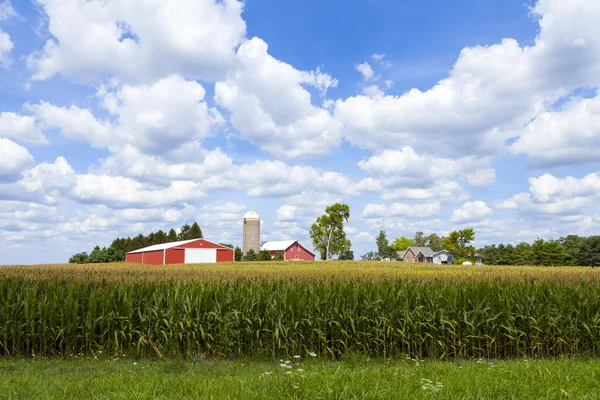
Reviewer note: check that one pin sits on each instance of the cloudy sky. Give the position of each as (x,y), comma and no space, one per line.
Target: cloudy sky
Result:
(124,117)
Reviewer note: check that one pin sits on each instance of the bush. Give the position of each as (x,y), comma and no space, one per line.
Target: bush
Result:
(278,257)
(264,255)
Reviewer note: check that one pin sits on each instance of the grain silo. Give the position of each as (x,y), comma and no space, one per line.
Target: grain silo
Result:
(251,232)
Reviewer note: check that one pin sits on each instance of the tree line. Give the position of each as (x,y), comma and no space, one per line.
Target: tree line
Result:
(120,246)
(571,250)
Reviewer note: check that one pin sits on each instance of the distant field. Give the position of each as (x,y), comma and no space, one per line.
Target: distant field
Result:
(273,310)
(374,270)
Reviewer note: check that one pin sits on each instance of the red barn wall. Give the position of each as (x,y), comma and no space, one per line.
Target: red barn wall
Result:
(225,255)
(175,256)
(297,252)
(134,258)
(200,244)
(153,257)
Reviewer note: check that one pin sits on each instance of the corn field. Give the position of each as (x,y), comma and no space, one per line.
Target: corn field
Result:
(191,311)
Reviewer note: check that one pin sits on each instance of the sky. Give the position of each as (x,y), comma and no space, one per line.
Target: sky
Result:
(126,117)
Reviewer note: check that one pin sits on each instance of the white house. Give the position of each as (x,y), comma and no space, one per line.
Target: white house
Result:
(443,257)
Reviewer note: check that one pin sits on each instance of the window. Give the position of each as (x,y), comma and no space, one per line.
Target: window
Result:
(297,257)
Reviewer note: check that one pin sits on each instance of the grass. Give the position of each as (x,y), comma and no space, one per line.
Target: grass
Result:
(358,378)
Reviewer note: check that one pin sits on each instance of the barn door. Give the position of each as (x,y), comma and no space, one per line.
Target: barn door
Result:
(198,256)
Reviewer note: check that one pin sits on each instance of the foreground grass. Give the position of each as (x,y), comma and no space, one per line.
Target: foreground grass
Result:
(303,379)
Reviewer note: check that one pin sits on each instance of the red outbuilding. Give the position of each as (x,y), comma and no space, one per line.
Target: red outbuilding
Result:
(193,251)
(292,250)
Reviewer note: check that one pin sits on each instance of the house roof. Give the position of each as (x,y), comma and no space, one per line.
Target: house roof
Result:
(277,245)
(163,246)
(426,251)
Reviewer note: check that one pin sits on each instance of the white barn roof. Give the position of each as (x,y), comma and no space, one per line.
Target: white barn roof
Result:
(163,246)
(277,245)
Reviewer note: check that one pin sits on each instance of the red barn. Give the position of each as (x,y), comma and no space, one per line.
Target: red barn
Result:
(193,251)
(291,250)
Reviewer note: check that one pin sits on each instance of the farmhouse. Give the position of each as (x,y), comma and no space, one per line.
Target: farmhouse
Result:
(290,249)
(426,255)
(183,252)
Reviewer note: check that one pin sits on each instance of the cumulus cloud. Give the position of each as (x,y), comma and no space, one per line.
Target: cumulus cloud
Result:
(270,107)
(91,39)
(471,212)
(15,159)
(491,91)
(568,136)
(22,128)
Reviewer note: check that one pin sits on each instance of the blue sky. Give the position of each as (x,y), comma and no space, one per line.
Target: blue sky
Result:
(125,117)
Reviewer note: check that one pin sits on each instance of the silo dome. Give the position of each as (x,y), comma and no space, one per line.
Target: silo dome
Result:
(251,215)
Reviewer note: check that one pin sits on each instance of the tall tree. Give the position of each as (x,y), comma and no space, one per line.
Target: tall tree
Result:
(419,240)
(434,242)
(160,237)
(401,244)
(328,233)
(238,254)
(250,255)
(383,246)
(172,236)
(184,233)
(459,244)
(195,231)
(346,253)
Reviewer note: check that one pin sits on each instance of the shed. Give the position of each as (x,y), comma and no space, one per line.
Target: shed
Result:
(192,251)
(291,250)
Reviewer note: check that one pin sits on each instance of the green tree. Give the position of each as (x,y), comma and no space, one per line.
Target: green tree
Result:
(238,254)
(160,237)
(195,231)
(250,255)
(278,257)
(401,244)
(434,242)
(184,233)
(419,240)
(79,258)
(346,253)
(370,256)
(459,244)
(172,236)
(574,246)
(591,251)
(383,246)
(264,255)
(328,233)
(227,245)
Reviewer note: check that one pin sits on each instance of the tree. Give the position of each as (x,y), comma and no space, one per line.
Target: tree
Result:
(346,253)
(434,242)
(370,256)
(172,236)
(160,237)
(278,257)
(458,243)
(238,254)
(227,245)
(250,255)
(419,240)
(328,233)
(383,247)
(264,255)
(195,231)
(401,244)
(79,258)
(591,251)
(184,233)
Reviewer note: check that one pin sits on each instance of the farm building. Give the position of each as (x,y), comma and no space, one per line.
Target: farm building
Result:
(291,250)
(184,252)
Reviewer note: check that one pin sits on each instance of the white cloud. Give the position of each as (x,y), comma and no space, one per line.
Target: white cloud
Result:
(378,57)
(389,83)
(366,70)
(6,46)
(15,159)
(419,210)
(547,187)
(23,128)
(471,212)
(270,107)
(570,135)
(482,177)
(442,190)
(286,213)
(491,91)
(155,118)
(7,11)
(406,166)
(225,207)
(91,39)
(373,91)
